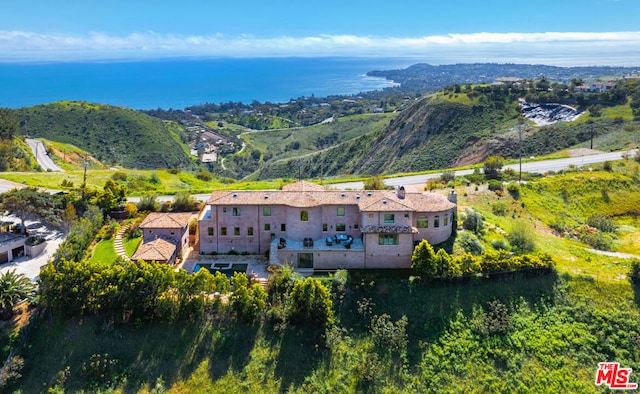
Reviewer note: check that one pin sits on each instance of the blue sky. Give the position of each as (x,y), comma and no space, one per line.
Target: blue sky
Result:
(600,31)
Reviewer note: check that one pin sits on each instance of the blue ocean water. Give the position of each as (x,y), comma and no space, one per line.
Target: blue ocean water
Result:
(178,83)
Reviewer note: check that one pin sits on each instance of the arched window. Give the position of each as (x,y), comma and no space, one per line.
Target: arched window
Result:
(446,219)
(436,221)
(304,216)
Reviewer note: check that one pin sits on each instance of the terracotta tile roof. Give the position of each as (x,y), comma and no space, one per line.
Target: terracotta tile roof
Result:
(366,200)
(302,186)
(157,250)
(166,220)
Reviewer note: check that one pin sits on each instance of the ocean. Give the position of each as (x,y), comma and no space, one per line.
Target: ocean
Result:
(179,83)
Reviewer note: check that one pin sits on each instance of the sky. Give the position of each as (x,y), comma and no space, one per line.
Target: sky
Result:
(560,31)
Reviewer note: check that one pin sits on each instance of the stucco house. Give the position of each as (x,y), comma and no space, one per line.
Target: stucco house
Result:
(312,228)
(164,236)
(11,246)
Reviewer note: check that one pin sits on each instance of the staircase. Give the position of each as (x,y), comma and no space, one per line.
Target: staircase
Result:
(117,243)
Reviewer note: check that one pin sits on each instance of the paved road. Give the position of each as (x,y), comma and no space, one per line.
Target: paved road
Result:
(537,166)
(41,155)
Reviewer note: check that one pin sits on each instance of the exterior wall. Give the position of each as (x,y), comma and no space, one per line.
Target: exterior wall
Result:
(434,235)
(326,259)
(351,220)
(388,256)
(9,245)
(377,219)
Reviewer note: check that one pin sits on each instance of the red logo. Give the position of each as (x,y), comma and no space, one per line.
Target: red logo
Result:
(615,377)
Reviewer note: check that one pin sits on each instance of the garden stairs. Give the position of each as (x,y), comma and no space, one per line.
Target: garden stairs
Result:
(117,243)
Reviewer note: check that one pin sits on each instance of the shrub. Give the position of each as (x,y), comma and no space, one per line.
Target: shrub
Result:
(476,177)
(183,202)
(499,244)
(119,176)
(607,166)
(311,303)
(473,221)
(448,176)
(154,179)
(495,185)
(522,237)
(499,208)
(374,183)
(514,189)
(204,176)
(603,223)
(634,271)
(148,203)
(469,243)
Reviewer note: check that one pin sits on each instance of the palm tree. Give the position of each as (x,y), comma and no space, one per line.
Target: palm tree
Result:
(13,288)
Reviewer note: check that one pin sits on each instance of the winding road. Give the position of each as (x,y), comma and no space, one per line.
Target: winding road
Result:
(41,155)
(535,166)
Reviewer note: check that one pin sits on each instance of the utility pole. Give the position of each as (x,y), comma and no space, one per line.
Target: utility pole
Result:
(591,135)
(520,122)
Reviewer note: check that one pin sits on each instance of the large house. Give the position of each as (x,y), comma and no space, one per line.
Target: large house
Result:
(310,227)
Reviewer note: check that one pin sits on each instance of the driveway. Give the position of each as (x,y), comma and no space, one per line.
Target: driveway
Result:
(31,266)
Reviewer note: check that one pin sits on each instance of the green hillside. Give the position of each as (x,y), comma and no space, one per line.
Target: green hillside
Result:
(112,135)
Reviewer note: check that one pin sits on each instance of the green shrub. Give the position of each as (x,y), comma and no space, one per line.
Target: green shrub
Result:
(522,237)
(603,223)
(499,208)
(469,243)
(311,303)
(495,185)
(473,221)
(119,176)
(514,189)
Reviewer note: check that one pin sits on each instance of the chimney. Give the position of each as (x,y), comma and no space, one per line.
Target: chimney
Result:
(401,193)
(453,197)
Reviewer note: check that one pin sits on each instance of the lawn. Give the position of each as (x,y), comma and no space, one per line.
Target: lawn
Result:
(104,252)
(131,245)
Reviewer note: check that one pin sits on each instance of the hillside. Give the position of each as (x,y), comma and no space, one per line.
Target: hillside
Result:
(113,135)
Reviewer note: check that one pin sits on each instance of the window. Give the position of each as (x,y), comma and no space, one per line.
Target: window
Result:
(304,216)
(266,211)
(325,227)
(436,221)
(341,227)
(406,216)
(370,216)
(389,218)
(267,227)
(250,231)
(423,222)
(224,209)
(172,232)
(283,227)
(305,260)
(446,219)
(387,239)
(150,231)
(210,231)
(236,231)
(355,226)
(235,212)
(223,231)
(340,211)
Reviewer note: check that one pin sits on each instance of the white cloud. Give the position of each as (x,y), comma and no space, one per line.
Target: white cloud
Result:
(20,45)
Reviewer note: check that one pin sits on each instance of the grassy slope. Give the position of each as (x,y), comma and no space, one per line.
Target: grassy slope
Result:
(113,135)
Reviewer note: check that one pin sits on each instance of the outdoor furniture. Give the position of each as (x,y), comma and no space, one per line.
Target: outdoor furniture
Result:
(341,237)
(329,241)
(307,242)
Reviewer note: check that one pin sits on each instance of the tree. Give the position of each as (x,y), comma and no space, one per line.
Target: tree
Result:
(183,202)
(148,203)
(473,221)
(492,167)
(374,183)
(13,288)
(29,203)
(423,260)
(311,303)
(9,124)
(112,195)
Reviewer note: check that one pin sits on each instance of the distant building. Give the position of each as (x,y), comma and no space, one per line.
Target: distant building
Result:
(11,246)
(313,228)
(509,81)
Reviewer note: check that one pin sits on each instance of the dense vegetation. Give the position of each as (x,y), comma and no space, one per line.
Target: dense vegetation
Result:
(112,135)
